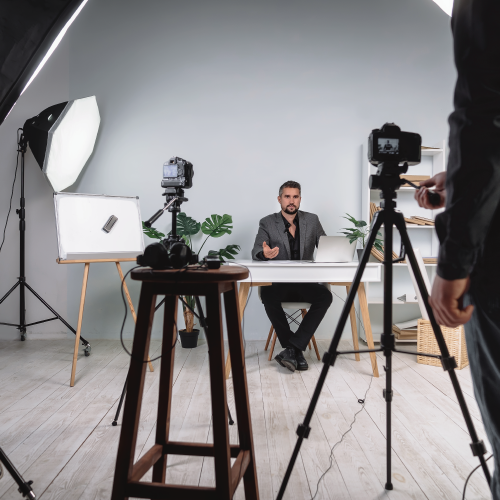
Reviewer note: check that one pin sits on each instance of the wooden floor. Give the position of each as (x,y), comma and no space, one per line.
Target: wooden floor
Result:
(62,438)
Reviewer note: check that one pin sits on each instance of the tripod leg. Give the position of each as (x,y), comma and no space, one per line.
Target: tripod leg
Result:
(330,356)
(118,410)
(449,363)
(10,291)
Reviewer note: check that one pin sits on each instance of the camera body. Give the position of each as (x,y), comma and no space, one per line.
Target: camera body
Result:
(177,173)
(390,144)
(167,255)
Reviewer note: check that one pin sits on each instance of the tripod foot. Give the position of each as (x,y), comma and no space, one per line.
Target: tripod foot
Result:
(114,423)
(87,350)
(389,486)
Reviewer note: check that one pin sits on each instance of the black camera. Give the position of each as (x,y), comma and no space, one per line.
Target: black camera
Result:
(177,173)
(172,252)
(389,144)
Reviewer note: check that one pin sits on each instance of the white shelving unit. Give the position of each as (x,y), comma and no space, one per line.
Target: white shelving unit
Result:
(422,237)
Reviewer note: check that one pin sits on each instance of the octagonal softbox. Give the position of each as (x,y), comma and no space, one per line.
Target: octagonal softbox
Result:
(62,138)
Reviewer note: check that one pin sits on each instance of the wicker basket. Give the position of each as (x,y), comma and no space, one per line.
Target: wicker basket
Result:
(454,338)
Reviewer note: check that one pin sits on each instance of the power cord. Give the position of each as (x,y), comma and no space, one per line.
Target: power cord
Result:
(361,402)
(470,475)
(12,191)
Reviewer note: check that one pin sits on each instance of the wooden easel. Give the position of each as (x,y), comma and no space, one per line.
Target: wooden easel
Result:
(82,303)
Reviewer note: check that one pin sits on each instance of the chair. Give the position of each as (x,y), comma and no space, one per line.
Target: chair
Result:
(298,307)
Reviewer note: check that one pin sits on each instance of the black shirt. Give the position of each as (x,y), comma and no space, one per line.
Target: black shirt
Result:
(293,242)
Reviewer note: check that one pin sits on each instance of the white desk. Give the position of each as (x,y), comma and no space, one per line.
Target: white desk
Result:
(336,274)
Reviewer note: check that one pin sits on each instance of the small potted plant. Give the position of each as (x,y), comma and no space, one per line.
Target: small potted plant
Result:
(360,232)
(213,227)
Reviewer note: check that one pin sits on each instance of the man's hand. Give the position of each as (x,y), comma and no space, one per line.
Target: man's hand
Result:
(438,182)
(446,301)
(270,253)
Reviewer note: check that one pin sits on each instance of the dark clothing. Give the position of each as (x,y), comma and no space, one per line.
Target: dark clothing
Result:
(469,228)
(294,242)
(316,294)
(483,347)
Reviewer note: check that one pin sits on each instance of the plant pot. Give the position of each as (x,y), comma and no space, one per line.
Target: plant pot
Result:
(189,340)
(360,253)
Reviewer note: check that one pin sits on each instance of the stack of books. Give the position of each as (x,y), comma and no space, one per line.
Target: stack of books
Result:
(406,330)
(380,255)
(373,209)
(419,221)
(430,260)
(416,179)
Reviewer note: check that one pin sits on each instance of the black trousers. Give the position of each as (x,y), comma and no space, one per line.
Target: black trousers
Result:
(316,294)
(482,333)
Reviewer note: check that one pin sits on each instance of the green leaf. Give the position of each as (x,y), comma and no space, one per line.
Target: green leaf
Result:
(151,232)
(217,226)
(187,226)
(360,223)
(378,245)
(227,252)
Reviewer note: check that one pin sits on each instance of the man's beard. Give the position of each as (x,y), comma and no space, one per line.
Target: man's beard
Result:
(291,211)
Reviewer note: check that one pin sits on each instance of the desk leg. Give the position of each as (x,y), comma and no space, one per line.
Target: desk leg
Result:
(131,305)
(79,327)
(363,304)
(242,302)
(354,329)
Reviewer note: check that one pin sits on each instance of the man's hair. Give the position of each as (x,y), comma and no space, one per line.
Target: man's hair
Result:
(290,184)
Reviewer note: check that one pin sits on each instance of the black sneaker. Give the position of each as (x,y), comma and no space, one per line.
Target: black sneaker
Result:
(279,357)
(301,361)
(288,359)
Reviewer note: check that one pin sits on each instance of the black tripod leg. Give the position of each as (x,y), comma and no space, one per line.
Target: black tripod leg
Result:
(119,409)
(330,356)
(9,292)
(55,313)
(478,447)
(24,486)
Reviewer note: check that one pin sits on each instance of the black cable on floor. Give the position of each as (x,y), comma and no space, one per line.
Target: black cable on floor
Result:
(470,475)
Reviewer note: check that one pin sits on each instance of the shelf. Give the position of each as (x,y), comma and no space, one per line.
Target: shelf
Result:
(397,341)
(380,301)
(431,152)
(412,226)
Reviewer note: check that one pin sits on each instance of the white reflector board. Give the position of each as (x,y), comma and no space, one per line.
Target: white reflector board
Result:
(80,219)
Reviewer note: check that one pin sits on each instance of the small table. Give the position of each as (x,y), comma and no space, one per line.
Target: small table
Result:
(172,283)
(297,271)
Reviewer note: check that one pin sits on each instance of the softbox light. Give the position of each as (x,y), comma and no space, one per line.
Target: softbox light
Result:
(62,138)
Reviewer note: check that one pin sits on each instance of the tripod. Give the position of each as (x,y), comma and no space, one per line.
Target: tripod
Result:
(21,280)
(387,180)
(24,486)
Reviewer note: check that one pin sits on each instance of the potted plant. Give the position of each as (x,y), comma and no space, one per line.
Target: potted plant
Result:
(359,232)
(215,226)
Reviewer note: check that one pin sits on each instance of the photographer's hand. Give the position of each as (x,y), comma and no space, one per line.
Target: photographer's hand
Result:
(422,195)
(270,253)
(446,301)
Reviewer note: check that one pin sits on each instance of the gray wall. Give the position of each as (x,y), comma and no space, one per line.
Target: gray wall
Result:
(253,93)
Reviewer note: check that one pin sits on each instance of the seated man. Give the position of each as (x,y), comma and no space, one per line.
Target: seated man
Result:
(291,235)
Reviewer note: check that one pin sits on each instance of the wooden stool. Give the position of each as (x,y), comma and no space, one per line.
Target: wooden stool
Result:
(172,283)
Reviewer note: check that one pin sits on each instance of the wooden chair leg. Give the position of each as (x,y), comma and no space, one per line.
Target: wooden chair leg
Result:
(354,328)
(272,347)
(241,400)
(316,348)
(269,337)
(166,383)
(135,389)
(79,327)
(215,340)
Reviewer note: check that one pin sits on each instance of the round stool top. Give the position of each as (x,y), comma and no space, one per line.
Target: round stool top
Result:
(191,274)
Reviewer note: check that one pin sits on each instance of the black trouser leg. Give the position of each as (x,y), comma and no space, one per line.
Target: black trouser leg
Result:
(320,299)
(272,297)
(316,294)
(483,347)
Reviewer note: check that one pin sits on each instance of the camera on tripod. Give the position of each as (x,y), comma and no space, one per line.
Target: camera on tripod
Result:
(172,252)
(389,144)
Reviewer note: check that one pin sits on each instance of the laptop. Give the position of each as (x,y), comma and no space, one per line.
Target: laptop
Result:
(335,249)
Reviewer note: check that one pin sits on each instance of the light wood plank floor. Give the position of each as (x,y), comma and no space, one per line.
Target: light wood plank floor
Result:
(62,438)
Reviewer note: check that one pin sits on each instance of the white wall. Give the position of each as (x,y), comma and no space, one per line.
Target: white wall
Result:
(253,93)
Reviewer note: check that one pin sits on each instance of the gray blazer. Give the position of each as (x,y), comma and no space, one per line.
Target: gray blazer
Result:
(272,231)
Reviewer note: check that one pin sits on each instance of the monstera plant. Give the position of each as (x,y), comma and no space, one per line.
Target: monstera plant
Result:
(214,226)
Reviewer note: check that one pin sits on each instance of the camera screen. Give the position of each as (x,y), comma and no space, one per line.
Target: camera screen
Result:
(388,146)
(170,170)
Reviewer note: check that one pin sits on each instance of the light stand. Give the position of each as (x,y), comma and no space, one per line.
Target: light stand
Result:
(24,486)
(21,280)
(387,180)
